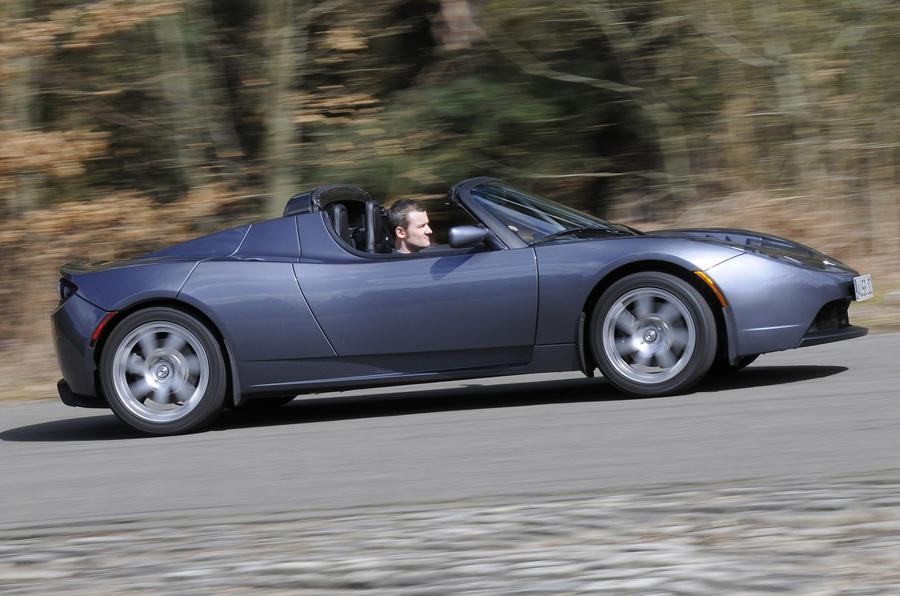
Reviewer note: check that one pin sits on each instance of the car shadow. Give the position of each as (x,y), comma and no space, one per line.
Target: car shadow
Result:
(388,402)
(105,427)
(764,376)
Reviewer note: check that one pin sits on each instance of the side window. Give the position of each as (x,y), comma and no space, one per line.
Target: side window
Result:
(520,217)
(364,227)
(531,217)
(443,215)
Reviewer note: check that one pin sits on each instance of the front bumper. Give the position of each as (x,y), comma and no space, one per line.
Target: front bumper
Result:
(823,337)
(832,323)
(776,306)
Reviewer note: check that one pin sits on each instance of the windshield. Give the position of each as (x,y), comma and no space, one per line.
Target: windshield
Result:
(530,216)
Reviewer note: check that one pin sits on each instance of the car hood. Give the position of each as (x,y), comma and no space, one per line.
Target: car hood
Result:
(759,243)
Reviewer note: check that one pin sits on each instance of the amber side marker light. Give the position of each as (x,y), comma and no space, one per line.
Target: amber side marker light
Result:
(712,286)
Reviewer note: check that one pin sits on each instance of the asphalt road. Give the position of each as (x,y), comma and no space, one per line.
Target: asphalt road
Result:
(818,413)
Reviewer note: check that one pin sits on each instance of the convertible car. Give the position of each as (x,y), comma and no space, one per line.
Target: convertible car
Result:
(317,300)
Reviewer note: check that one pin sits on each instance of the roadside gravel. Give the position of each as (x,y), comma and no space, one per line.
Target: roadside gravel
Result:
(841,536)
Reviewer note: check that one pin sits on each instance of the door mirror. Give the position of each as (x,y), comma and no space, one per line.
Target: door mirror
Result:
(466,236)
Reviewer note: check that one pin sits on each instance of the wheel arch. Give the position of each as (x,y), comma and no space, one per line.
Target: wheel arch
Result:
(232,384)
(662,267)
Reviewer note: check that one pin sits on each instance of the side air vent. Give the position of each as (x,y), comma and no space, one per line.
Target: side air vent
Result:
(831,317)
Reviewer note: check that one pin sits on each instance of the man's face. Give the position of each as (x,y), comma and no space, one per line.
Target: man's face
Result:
(417,235)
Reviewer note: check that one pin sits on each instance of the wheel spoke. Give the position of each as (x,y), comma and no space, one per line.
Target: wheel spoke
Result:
(669,313)
(679,337)
(625,346)
(643,358)
(192,364)
(182,390)
(148,344)
(626,322)
(135,364)
(161,395)
(173,343)
(140,388)
(666,359)
(643,306)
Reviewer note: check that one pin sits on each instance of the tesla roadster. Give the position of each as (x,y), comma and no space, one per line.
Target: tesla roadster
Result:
(317,300)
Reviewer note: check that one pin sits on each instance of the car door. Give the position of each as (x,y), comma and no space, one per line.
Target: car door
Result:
(440,310)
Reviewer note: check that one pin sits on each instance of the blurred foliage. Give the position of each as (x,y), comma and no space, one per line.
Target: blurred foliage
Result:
(131,124)
(657,101)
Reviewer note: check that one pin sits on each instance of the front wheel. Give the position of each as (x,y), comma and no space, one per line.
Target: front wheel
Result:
(652,334)
(162,372)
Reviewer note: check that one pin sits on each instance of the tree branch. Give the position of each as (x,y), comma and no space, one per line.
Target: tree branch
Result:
(531,65)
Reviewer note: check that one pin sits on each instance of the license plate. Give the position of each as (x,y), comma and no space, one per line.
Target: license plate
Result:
(863,287)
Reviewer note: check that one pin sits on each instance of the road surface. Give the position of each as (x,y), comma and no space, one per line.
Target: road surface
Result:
(827,411)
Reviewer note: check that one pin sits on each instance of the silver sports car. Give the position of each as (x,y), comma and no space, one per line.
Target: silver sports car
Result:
(318,300)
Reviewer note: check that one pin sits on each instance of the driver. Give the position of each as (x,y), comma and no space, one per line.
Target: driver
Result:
(409,221)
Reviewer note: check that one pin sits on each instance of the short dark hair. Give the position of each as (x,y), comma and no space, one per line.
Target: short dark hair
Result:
(399,213)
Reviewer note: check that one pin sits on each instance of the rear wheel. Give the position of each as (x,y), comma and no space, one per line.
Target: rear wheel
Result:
(653,334)
(162,372)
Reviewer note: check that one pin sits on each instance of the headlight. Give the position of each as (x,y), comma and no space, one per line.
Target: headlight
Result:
(799,255)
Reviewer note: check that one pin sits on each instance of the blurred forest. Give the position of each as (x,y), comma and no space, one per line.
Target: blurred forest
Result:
(127,125)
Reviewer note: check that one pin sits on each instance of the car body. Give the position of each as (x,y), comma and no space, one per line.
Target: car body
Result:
(317,300)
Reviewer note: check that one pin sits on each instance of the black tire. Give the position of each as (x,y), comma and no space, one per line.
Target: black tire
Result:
(162,372)
(652,334)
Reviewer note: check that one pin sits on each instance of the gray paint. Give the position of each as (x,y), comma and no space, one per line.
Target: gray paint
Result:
(300,311)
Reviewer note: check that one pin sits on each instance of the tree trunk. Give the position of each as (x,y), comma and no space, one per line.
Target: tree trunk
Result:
(203,131)
(281,146)
(454,26)
(805,142)
(672,138)
(21,190)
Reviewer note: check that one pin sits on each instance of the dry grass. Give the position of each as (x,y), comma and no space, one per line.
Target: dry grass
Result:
(33,247)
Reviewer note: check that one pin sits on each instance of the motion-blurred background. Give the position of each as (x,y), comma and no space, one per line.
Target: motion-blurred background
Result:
(127,125)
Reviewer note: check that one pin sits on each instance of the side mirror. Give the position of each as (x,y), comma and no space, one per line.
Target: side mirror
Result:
(466,236)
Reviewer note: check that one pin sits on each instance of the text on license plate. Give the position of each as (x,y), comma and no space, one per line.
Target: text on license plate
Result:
(863,287)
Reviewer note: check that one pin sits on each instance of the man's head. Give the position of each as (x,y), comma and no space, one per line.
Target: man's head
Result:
(410,225)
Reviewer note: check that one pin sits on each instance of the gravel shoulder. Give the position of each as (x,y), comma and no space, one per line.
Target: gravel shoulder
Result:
(841,536)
